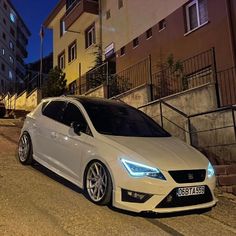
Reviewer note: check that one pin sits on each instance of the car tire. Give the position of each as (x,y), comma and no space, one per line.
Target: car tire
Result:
(98,183)
(25,150)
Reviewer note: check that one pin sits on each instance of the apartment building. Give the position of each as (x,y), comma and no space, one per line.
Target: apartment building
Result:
(14,36)
(130,31)
(75,26)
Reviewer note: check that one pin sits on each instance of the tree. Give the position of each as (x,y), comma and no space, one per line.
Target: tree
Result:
(55,84)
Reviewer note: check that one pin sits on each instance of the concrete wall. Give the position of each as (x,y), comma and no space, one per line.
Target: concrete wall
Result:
(213,134)
(21,101)
(97,92)
(136,97)
(24,101)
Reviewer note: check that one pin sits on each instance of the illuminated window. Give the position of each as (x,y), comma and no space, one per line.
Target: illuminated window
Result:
(72,52)
(11,59)
(62,28)
(90,36)
(10,75)
(3,51)
(13,16)
(11,45)
(196,14)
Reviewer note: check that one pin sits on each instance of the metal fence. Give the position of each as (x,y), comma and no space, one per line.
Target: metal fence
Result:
(129,78)
(183,75)
(227,86)
(172,78)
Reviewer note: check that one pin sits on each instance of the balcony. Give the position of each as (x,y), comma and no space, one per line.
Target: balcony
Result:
(75,10)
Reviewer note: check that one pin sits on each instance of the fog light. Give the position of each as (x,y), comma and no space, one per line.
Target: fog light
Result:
(131,196)
(169,199)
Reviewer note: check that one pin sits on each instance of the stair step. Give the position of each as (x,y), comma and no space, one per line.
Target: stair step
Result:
(229,189)
(227,180)
(225,169)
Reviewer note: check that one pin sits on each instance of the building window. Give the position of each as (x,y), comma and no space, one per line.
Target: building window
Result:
(149,33)
(4,21)
(12,31)
(11,45)
(10,75)
(72,52)
(3,67)
(120,4)
(196,14)
(108,14)
(4,36)
(162,24)
(11,59)
(61,61)
(122,51)
(13,16)
(5,6)
(3,51)
(135,42)
(90,36)
(62,28)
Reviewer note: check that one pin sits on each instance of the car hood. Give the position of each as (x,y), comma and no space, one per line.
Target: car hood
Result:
(165,153)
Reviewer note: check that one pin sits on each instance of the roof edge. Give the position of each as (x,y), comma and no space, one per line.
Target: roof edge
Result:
(54,12)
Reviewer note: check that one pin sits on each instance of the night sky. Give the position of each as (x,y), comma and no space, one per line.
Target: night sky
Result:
(34,13)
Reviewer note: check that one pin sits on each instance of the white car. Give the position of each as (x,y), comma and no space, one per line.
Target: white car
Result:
(117,154)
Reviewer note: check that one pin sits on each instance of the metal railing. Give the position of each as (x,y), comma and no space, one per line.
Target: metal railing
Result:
(205,131)
(227,86)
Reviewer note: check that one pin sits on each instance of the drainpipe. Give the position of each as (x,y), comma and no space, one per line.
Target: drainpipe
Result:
(100,26)
(230,28)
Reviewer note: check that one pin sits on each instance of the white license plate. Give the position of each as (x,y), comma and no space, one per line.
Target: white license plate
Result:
(190,191)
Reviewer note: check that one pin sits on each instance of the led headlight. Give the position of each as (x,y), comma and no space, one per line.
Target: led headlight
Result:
(210,170)
(140,170)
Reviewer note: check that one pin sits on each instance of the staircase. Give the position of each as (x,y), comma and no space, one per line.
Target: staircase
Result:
(226,178)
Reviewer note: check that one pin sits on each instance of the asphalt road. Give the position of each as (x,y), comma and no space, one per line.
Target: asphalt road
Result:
(34,201)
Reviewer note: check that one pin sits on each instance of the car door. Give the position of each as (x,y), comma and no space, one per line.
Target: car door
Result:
(47,127)
(71,146)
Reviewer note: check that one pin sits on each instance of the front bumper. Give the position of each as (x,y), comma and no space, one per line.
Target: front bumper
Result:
(159,191)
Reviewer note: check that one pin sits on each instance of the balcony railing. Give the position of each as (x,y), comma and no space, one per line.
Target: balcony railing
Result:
(77,8)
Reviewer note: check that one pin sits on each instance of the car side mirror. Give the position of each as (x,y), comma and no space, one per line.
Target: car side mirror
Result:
(77,127)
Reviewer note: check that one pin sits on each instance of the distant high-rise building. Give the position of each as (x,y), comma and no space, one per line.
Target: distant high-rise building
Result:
(14,36)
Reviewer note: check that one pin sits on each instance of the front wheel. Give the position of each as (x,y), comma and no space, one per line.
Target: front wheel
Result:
(25,152)
(98,183)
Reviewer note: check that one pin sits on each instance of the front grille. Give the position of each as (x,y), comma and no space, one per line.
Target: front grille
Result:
(188,176)
(172,200)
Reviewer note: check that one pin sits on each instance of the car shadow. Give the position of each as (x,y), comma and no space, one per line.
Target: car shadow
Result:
(153,215)
(56,177)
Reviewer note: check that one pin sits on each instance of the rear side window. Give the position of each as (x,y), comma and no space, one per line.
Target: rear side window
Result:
(54,110)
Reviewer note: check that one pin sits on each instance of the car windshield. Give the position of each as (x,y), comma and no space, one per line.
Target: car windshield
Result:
(116,119)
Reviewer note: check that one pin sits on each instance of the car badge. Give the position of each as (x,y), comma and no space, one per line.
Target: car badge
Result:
(190,176)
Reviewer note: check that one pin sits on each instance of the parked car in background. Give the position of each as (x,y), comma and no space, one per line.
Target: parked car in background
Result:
(117,154)
(2,109)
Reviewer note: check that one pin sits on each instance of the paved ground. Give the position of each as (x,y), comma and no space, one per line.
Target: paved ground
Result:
(34,201)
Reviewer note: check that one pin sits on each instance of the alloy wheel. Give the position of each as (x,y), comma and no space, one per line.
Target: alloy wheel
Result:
(96,181)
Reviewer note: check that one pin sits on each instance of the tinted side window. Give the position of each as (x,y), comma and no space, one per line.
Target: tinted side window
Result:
(54,110)
(71,114)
